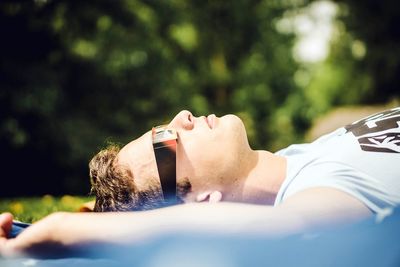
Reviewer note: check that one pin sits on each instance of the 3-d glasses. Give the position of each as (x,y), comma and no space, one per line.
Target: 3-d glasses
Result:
(164,146)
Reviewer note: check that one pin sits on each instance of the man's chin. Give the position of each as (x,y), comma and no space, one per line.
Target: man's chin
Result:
(233,121)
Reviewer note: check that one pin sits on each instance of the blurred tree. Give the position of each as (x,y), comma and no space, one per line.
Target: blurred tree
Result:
(76,73)
(375,37)
(361,67)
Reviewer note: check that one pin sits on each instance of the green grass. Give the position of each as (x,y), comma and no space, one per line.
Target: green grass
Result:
(31,209)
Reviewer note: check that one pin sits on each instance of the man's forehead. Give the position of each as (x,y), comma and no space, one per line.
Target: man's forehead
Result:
(139,157)
(142,143)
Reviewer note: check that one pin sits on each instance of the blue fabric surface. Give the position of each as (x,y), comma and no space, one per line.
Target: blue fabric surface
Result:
(17,228)
(365,244)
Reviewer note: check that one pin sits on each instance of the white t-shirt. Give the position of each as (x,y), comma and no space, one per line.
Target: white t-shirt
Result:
(362,159)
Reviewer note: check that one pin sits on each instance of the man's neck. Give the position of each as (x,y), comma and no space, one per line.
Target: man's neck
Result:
(265,179)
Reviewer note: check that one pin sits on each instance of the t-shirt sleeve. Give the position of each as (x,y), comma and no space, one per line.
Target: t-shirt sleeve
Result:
(369,190)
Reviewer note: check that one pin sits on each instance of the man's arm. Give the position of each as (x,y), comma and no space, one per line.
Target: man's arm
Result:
(322,207)
(66,230)
(305,210)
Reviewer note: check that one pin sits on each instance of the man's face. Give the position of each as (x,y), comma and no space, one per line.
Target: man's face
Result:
(209,153)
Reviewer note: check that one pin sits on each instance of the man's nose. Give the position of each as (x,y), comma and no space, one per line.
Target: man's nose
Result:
(183,120)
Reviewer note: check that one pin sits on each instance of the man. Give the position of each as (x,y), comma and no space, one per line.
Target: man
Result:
(342,177)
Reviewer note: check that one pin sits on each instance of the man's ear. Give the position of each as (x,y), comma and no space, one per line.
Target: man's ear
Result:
(209,196)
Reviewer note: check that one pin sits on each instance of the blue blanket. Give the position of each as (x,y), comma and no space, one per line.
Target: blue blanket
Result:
(366,244)
(17,228)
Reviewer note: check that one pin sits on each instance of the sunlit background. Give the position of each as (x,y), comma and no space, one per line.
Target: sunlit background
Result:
(75,75)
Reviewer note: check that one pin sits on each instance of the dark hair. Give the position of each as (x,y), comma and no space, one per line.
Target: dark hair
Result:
(114,186)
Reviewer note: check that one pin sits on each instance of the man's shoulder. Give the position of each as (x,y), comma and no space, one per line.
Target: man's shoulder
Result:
(326,206)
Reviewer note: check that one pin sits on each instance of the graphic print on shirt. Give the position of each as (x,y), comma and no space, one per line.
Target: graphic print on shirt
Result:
(379,132)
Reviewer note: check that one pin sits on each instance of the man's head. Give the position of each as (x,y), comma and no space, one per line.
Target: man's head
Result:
(210,156)
(113,186)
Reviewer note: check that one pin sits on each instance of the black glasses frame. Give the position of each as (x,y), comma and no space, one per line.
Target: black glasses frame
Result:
(164,146)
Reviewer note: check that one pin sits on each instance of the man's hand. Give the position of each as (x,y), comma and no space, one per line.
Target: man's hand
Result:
(36,239)
(5,228)
(5,224)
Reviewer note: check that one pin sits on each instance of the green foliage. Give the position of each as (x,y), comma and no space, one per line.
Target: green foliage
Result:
(362,68)
(76,74)
(34,208)
(374,39)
